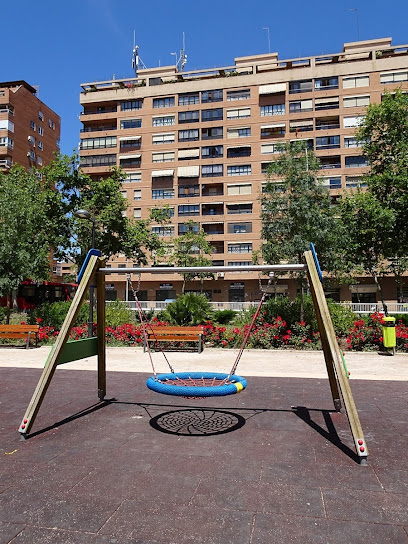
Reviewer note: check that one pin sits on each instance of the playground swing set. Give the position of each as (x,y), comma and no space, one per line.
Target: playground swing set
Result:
(192,384)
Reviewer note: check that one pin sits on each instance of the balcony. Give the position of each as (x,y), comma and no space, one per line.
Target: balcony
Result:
(100,110)
(213,190)
(213,228)
(99,128)
(329,163)
(216,208)
(328,123)
(6,163)
(217,247)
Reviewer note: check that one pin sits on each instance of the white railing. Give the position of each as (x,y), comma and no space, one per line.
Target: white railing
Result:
(369,308)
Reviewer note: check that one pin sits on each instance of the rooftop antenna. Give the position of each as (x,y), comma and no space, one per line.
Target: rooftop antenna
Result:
(358,27)
(136,60)
(181,61)
(269,38)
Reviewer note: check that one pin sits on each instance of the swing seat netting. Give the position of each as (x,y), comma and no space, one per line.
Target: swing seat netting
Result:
(196,384)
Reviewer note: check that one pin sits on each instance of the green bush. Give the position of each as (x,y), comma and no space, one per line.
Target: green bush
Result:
(342,316)
(3,312)
(224,316)
(53,314)
(188,309)
(118,313)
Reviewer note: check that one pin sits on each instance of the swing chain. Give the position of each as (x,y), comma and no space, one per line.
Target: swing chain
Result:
(265,289)
(129,281)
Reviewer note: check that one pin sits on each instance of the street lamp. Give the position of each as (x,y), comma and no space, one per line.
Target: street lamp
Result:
(84,214)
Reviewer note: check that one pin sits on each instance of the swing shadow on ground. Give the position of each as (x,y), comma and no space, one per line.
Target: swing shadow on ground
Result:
(182,420)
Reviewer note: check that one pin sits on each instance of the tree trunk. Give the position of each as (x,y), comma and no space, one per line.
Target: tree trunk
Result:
(301,298)
(379,291)
(8,310)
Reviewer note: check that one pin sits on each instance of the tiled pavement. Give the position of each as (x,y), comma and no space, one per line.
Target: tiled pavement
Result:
(252,470)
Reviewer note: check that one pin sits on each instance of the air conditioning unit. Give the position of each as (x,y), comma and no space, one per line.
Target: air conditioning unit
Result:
(220,274)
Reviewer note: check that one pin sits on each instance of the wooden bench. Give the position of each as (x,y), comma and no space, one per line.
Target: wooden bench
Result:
(25,332)
(175,334)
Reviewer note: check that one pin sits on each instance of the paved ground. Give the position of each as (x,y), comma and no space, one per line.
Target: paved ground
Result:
(271,465)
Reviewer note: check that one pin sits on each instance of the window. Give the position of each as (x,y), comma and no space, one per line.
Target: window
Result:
(333,183)
(301,125)
(358,161)
(165,138)
(167,230)
(39,161)
(163,121)
(189,209)
(239,113)
(188,191)
(167,156)
(188,99)
(326,83)
(239,228)
(130,160)
(304,86)
(211,133)
(31,155)
(168,212)
(130,142)
(165,102)
(241,94)
(212,151)
(273,109)
(41,131)
(130,123)
(32,125)
(40,145)
(351,142)
(239,170)
(162,193)
(98,160)
(98,143)
(355,101)
(354,182)
(211,96)
(352,122)
(188,227)
(239,208)
(137,213)
(50,123)
(300,105)
(187,154)
(238,151)
(31,140)
(133,177)
(271,131)
(212,115)
(393,77)
(188,135)
(331,103)
(40,116)
(5,141)
(240,263)
(212,170)
(131,105)
(189,116)
(328,142)
(137,194)
(240,248)
(243,189)
(238,132)
(269,148)
(328,163)
(357,81)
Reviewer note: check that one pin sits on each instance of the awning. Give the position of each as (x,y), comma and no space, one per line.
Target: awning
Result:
(211,203)
(276,125)
(304,123)
(327,100)
(239,147)
(213,223)
(238,203)
(129,138)
(238,112)
(188,171)
(124,157)
(273,88)
(188,153)
(162,173)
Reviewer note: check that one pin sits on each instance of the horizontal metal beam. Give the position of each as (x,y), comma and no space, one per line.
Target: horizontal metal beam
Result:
(209,269)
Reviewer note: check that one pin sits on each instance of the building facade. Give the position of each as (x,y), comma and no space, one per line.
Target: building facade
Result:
(29,129)
(200,142)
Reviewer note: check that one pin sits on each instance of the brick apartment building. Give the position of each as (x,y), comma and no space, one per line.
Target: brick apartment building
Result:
(29,129)
(201,141)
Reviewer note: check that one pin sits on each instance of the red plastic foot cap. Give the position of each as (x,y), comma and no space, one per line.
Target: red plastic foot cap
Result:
(25,421)
(360,442)
(362,448)
(23,426)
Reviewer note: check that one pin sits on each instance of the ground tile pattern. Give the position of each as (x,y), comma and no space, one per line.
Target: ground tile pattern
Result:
(273,464)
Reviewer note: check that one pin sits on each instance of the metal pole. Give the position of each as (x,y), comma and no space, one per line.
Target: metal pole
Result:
(210,269)
(91,290)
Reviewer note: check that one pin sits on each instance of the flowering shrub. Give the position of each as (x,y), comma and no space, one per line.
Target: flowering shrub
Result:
(367,334)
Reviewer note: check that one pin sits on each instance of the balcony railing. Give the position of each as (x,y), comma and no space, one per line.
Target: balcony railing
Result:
(98,129)
(371,307)
(327,126)
(97,111)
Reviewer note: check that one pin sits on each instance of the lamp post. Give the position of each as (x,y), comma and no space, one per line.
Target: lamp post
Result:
(84,214)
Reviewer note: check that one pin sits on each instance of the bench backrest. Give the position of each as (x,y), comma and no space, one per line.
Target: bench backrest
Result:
(19,328)
(175,330)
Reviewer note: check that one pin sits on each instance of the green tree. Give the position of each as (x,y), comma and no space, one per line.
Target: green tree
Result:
(384,133)
(188,309)
(192,249)
(296,210)
(29,226)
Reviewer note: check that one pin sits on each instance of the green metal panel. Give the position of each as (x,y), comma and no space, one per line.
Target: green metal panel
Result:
(77,349)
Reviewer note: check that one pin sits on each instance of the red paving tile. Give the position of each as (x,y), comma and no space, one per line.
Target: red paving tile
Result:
(102,474)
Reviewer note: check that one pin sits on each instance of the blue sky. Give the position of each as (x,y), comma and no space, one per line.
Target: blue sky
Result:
(59,44)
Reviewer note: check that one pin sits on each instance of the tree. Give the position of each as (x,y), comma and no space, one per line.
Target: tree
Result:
(296,210)
(367,234)
(384,133)
(29,227)
(191,249)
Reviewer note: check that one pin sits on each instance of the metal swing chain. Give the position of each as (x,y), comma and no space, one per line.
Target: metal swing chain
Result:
(144,322)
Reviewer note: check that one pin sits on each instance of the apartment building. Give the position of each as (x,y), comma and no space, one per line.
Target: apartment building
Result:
(201,141)
(29,129)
